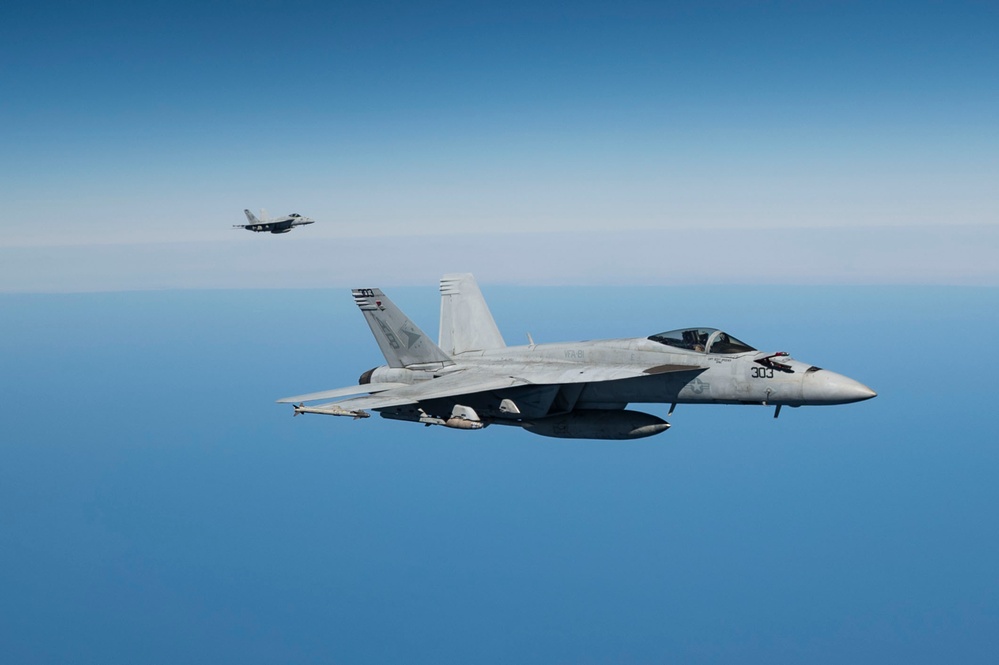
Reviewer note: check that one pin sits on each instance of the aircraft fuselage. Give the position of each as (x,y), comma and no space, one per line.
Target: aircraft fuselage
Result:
(713,378)
(684,377)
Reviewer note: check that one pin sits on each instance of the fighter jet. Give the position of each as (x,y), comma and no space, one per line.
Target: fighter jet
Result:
(276,225)
(471,379)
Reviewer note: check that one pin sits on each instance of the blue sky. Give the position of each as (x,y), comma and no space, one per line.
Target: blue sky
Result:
(135,127)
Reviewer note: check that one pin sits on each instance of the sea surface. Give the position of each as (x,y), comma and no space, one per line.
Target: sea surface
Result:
(157,506)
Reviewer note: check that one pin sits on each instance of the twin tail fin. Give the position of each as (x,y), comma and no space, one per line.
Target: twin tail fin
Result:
(402,343)
(466,323)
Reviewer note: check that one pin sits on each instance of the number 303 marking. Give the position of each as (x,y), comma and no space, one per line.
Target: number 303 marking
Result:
(761,372)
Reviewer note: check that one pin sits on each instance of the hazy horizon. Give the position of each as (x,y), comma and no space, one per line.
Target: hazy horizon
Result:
(817,140)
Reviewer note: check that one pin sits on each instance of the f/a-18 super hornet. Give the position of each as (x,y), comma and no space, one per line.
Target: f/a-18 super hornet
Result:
(276,225)
(579,390)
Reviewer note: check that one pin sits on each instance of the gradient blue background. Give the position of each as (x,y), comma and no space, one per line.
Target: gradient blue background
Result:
(838,161)
(159,507)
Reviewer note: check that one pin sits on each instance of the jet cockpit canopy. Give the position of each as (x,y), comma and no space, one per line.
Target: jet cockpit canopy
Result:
(704,340)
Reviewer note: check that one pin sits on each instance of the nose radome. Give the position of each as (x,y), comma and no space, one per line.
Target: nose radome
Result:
(827,387)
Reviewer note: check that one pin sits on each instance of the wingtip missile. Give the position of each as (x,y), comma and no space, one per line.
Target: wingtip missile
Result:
(329,410)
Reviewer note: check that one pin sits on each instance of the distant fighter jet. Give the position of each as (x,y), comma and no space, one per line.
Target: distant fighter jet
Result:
(277,225)
(576,390)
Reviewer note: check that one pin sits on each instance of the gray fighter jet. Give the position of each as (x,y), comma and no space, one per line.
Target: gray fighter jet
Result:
(579,390)
(276,225)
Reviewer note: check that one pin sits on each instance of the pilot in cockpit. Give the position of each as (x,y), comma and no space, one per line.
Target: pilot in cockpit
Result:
(695,339)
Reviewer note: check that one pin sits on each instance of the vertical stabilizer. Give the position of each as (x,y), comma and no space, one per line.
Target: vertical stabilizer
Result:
(401,341)
(466,323)
(250,217)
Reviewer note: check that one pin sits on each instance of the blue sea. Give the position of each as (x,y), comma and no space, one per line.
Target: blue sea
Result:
(157,506)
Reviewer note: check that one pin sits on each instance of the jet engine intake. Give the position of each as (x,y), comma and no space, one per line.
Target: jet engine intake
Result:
(597,424)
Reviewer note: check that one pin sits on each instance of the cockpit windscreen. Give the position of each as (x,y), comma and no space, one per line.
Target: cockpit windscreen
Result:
(704,340)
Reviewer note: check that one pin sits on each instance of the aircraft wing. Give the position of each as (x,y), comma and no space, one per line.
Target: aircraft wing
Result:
(479,380)
(463,382)
(359,389)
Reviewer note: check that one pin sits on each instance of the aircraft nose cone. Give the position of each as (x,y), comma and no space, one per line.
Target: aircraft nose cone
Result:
(825,387)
